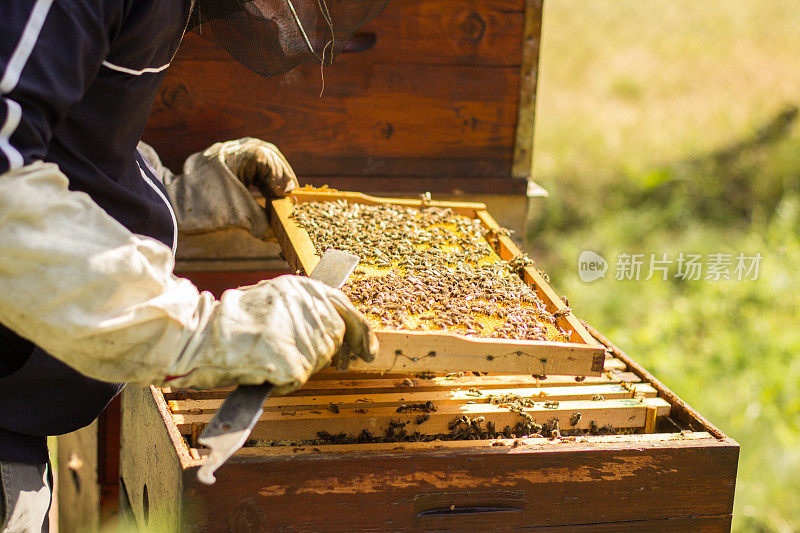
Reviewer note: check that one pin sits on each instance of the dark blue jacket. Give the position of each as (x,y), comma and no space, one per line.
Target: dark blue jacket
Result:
(78,80)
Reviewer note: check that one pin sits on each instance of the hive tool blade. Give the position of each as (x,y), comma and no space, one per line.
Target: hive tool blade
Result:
(234,421)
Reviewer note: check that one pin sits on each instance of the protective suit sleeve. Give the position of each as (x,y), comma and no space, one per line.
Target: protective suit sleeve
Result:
(212,192)
(81,286)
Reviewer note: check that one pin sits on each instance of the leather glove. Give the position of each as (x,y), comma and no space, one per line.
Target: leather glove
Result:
(82,287)
(212,193)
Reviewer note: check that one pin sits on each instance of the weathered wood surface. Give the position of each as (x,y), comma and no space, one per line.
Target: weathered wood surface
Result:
(78,486)
(500,488)
(437,96)
(664,481)
(475,395)
(529,78)
(375,119)
(153,458)
(298,424)
(439,184)
(328,403)
(414,385)
(430,351)
(470,32)
(668,481)
(87,493)
(642,440)
(219,282)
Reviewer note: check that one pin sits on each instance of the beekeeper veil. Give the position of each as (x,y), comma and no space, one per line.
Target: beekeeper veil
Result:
(271,37)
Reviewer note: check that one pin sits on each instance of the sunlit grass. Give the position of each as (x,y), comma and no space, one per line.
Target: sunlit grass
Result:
(648,120)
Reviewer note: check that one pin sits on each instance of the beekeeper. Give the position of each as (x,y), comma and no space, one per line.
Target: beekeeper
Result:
(89,223)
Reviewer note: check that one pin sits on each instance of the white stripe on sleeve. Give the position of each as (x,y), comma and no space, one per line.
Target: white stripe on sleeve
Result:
(169,206)
(13,116)
(126,70)
(25,46)
(17,61)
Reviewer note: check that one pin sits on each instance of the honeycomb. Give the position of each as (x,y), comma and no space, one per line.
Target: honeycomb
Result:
(428,269)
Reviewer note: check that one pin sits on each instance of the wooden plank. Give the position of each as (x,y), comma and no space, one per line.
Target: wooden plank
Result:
(152,460)
(78,486)
(437,398)
(693,524)
(413,351)
(565,484)
(372,386)
(305,425)
(522,166)
(462,122)
(436,184)
(219,282)
(650,419)
(421,38)
(336,380)
(425,351)
(109,429)
(296,246)
(394,384)
(473,32)
(611,364)
(553,444)
(706,524)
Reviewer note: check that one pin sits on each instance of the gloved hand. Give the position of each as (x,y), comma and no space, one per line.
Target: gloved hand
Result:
(212,193)
(81,286)
(280,331)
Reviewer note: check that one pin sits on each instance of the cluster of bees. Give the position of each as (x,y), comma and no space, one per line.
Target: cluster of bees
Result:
(428,269)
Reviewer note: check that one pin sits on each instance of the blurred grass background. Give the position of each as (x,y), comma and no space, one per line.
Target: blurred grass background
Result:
(668,127)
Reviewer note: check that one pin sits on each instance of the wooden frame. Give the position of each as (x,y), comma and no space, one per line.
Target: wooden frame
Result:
(349,404)
(417,351)
(522,166)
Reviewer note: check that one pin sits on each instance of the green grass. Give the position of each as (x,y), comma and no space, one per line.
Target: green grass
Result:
(729,348)
(668,127)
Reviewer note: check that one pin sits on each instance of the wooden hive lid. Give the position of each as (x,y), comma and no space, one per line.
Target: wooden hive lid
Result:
(441,98)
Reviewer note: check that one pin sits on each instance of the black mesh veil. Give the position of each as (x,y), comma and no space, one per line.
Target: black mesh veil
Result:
(271,37)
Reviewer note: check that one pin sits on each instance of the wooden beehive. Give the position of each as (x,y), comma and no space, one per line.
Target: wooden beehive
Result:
(443,101)
(662,467)
(425,451)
